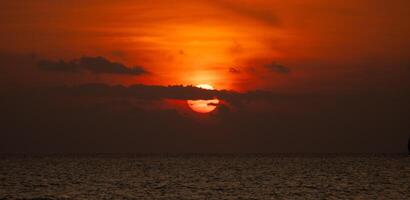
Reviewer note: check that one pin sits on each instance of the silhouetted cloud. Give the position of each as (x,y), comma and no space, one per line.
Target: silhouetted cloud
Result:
(234,70)
(112,119)
(98,65)
(59,66)
(275,67)
(156,92)
(144,92)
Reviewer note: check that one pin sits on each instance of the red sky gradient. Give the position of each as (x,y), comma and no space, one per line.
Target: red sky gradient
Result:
(291,75)
(194,42)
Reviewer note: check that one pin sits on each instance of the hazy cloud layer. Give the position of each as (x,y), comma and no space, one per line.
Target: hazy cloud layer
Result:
(257,13)
(98,65)
(155,92)
(145,92)
(275,67)
(116,119)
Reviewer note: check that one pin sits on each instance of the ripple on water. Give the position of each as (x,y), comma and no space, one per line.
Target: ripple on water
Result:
(199,177)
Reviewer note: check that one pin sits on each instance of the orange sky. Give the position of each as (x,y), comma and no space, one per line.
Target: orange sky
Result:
(308,76)
(321,42)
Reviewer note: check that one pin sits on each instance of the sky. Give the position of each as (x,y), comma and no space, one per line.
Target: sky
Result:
(105,76)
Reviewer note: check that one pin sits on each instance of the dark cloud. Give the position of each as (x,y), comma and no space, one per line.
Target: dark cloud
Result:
(145,92)
(117,119)
(98,65)
(234,70)
(59,66)
(275,67)
(155,92)
(141,119)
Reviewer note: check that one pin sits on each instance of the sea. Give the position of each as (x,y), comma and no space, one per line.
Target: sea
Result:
(205,176)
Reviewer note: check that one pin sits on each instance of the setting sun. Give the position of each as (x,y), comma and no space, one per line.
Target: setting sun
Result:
(205,86)
(203,106)
(204,99)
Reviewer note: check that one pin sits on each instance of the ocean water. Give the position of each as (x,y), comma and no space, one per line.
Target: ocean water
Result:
(205,177)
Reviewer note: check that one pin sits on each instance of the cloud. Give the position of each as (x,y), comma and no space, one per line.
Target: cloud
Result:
(275,67)
(150,93)
(234,70)
(115,119)
(142,92)
(252,12)
(59,66)
(98,65)
(157,92)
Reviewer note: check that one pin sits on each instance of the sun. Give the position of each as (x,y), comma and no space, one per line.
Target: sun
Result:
(203,106)
(205,86)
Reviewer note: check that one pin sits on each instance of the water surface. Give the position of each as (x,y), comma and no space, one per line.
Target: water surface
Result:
(205,177)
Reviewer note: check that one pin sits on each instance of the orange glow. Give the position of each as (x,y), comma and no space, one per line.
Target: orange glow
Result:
(203,106)
(227,43)
(205,86)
